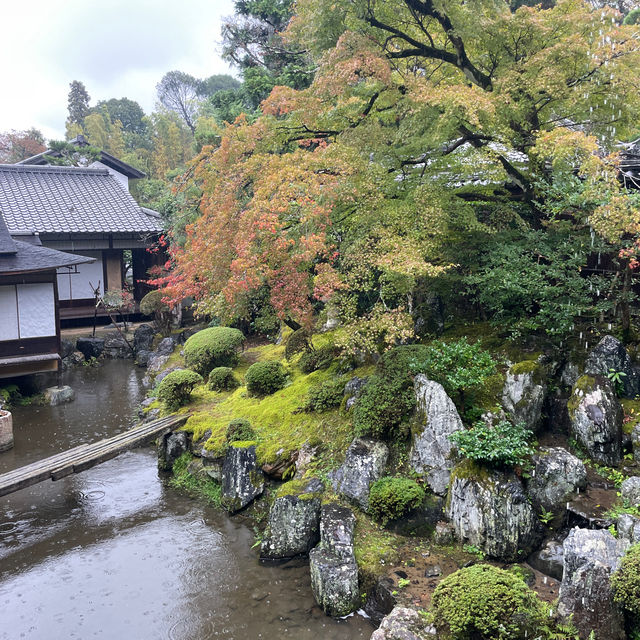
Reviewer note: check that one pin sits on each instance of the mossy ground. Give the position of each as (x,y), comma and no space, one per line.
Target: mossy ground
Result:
(631,414)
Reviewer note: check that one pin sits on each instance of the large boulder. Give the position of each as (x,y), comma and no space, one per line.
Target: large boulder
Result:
(171,447)
(143,338)
(630,491)
(294,520)
(116,347)
(610,354)
(90,347)
(556,475)
(403,624)
(628,528)
(590,557)
(364,463)
(165,346)
(549,559)
(332,564)
(67,347)
(436,419)
(490,510)
(381,599)
(242,478)
(596,419)
(524,393)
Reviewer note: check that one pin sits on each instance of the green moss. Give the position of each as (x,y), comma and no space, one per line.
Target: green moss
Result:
(583,385)
(295,488)
(470,470)
(631,414)
(243,444)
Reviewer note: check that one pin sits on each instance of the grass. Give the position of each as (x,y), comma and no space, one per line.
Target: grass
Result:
(204,488)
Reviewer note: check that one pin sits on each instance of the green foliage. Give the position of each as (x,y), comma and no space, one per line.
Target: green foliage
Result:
(616,379)
(298,341)
(483,602)
(264,378)
(500,445)
(240,430)
(9,393)
(176,387)
(213,347)
(633,17)
(204,487)
(152,305)
(325,396)
(391,498)
(223,379)
(312,360)
(625,584)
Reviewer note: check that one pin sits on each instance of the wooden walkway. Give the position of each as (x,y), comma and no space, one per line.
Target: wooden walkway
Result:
(86,455)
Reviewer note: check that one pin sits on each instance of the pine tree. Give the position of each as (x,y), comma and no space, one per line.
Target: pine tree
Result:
(78,103)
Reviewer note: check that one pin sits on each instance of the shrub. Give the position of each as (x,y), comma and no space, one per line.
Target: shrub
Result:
(264,378)
(321,358)
(239,430)
(503,444)
(152,305)
(298,341)
(625,584)
(222,379)
(391,498)
(633,17)
(325,396)
(482,602)
(213,347)
(176,387)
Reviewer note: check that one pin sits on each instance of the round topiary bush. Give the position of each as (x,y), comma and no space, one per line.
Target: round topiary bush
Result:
(211,348)
(391,498)
(240,430)
(176,387)
(222,379)
(482,602)
(264,378)
(152,305)
(625,584)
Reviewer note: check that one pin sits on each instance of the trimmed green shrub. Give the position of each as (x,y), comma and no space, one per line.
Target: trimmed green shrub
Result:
(152,305)
(483,602)
(633,17)
(239,430)
(500,445)
(321,358)
(325,396)
(391,498)
(213,347)
(625,584)
(264,378)
(176,387)
(222,379)
(298,341)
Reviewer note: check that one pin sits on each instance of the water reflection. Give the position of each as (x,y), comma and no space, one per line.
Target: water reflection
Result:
(111,553)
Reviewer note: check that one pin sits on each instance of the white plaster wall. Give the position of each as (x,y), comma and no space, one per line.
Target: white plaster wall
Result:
(36,310)
(8,313)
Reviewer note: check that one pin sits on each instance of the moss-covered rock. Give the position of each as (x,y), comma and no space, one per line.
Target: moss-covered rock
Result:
(524,393)
(242,479)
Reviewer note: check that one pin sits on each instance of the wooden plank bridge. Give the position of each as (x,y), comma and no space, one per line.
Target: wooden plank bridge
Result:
(86,455)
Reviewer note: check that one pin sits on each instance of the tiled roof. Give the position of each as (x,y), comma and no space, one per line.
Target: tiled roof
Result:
(7,245)
(48,199)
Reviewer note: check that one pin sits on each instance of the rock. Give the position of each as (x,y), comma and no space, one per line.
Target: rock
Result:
(185,334)
(403,624)
(55,396)
(628,528)
(630,491)
(549,560)
(444,533)
(306,455)
(353,389)
(142,357)
(196,469)
(524,393)
(90,347)
(433,571)
(555,476)
(165,347)
(143,338)
(171,447)
(380,601)
(364,463)
(332,564)
(116,347)
(490,510)
(635,442)
(294,522)
(164,373)
(569,374)
(556,413)
(609,354)
(242,479)
(590,557)
(596,419)
(156,362)
(422,520)
(66,348)
(431,448)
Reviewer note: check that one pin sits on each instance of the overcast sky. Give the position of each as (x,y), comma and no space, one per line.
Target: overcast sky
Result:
(118,48)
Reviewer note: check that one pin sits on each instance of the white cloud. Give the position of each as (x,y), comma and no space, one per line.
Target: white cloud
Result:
(120,48)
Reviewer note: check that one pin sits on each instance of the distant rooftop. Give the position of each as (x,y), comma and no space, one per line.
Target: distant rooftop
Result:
(106,158)
(49,199)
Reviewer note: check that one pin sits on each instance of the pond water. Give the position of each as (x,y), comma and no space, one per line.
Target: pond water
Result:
(112,553)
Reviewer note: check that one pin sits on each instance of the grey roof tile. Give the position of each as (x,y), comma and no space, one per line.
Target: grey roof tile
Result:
(48,199)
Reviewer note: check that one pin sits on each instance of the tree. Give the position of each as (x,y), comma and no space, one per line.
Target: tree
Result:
(19,145)
(178,92)
(213,84)
(78,103)
(129,112)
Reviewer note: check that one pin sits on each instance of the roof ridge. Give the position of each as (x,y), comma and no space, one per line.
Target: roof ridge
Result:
(47,168)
